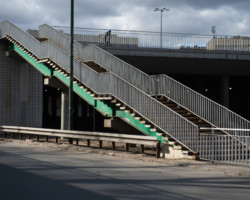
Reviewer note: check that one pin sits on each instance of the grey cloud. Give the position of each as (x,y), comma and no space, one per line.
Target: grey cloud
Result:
(187,16)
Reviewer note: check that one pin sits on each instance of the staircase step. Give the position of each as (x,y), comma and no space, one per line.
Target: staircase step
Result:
(181,111)
(171,142)
(204,125)
(95,66)
(178,109)
(103,98)
(188,115)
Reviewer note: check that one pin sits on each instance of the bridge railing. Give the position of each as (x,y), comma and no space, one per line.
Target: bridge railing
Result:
(158,114)
(149,39)
(207,109)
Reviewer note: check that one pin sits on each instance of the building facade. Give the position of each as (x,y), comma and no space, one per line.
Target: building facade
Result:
(21,91)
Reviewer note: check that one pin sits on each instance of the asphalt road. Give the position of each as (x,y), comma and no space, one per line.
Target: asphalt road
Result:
(29,172)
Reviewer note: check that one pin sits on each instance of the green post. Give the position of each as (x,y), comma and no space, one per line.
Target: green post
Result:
(71,106)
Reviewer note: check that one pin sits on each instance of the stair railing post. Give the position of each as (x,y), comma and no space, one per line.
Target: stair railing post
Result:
(213,145)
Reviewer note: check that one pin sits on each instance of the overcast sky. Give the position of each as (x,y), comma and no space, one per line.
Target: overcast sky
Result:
(231,17)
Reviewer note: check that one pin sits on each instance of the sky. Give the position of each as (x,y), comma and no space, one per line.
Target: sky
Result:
(231,17)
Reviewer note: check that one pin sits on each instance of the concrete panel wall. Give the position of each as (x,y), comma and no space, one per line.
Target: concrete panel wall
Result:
(21,95)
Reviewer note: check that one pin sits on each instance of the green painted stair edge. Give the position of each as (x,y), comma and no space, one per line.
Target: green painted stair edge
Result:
(105,107)
(46,71)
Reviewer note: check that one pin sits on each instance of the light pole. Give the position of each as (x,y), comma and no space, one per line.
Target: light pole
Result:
(71,109)
(161,10)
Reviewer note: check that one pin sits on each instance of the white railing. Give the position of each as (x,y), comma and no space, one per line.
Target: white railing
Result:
(149,39)
(202,106)
(224,148)
(165,119)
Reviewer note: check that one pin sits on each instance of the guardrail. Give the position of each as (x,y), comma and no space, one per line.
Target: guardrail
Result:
(84,135)
(150,39)
(233,149)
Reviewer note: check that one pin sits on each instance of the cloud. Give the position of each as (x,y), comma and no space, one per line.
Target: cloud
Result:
(185,16)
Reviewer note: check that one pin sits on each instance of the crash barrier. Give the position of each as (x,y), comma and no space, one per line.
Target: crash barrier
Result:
(83,135)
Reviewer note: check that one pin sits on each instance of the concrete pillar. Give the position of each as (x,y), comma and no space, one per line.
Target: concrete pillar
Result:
(53,82)
(64,109)
(224,91)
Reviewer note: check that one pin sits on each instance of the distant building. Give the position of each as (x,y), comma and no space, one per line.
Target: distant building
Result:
(236,43)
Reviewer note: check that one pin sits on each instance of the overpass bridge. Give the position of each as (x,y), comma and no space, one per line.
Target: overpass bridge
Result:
(155,105)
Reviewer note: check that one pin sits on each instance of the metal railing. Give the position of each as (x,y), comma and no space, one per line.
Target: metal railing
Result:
(202,106)
(80,135)
(150,39)
(224,148)
(205,108)
(108,83)
(95,53)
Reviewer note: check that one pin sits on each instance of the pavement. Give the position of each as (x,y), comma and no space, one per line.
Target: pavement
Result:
(38,170)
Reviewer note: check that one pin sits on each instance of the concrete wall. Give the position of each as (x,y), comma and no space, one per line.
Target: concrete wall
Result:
(21,91)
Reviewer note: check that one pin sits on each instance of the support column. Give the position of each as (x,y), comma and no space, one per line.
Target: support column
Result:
(55,83)
(224,88)
(64,109)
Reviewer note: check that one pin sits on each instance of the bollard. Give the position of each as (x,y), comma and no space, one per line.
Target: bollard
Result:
(142,148)
(70,140)
(113,145)
(127,147)
(158,149)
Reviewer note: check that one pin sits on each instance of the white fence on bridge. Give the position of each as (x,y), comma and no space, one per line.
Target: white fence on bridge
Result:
(149,39)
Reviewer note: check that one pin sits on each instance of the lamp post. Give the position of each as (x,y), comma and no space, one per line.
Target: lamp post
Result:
(161,10)
(71,108)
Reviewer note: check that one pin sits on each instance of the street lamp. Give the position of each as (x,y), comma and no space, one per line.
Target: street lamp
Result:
(71,109)
(161,10)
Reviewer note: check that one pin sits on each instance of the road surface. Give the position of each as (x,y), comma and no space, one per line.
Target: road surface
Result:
(32,171)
